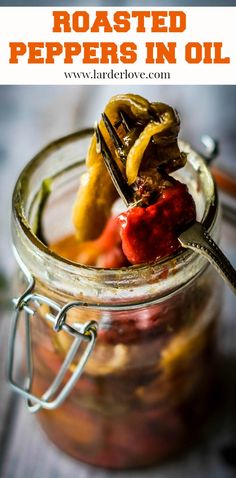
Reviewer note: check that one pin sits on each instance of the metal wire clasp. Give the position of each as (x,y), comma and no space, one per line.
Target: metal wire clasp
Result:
(26,306)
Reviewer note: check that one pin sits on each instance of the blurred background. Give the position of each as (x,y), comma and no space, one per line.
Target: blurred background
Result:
(31,117)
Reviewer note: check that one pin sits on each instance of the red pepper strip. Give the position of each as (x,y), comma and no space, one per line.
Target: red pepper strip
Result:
(106,251)
(151,233)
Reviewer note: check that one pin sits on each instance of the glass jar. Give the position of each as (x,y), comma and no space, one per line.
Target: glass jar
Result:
(148,386)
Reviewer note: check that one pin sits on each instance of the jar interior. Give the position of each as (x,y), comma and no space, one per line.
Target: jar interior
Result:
(64,168)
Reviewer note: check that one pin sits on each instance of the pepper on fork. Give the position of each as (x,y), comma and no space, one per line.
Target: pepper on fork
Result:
(169,221)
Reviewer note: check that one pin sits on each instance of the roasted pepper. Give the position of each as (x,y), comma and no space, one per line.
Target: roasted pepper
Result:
(149,122)
(151,233)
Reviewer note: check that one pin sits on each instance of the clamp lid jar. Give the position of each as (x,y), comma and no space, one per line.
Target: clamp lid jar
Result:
(148,379)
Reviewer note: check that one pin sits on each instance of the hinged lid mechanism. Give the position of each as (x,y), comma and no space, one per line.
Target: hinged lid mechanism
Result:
(26,306)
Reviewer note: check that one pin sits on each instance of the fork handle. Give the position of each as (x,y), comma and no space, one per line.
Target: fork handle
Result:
(197,238)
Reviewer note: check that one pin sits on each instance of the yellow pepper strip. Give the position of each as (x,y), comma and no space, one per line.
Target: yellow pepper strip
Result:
(134,105)
(94,198)
(136,152)
(97,193)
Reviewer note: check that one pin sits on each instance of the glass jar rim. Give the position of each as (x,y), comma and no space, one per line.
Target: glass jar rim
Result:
(184,256)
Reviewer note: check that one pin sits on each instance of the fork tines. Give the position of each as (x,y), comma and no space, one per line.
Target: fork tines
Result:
(112,132)
(125,121)
(125,191)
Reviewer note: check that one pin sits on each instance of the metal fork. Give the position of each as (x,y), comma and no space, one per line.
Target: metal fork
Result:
(195,237)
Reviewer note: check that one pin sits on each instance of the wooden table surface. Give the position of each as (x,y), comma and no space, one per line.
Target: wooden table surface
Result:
(27,122)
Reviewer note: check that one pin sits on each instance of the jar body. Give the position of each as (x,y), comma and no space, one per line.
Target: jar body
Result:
(150,382)
(149,385)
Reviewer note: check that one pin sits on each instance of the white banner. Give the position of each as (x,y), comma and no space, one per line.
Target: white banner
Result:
(121,45)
